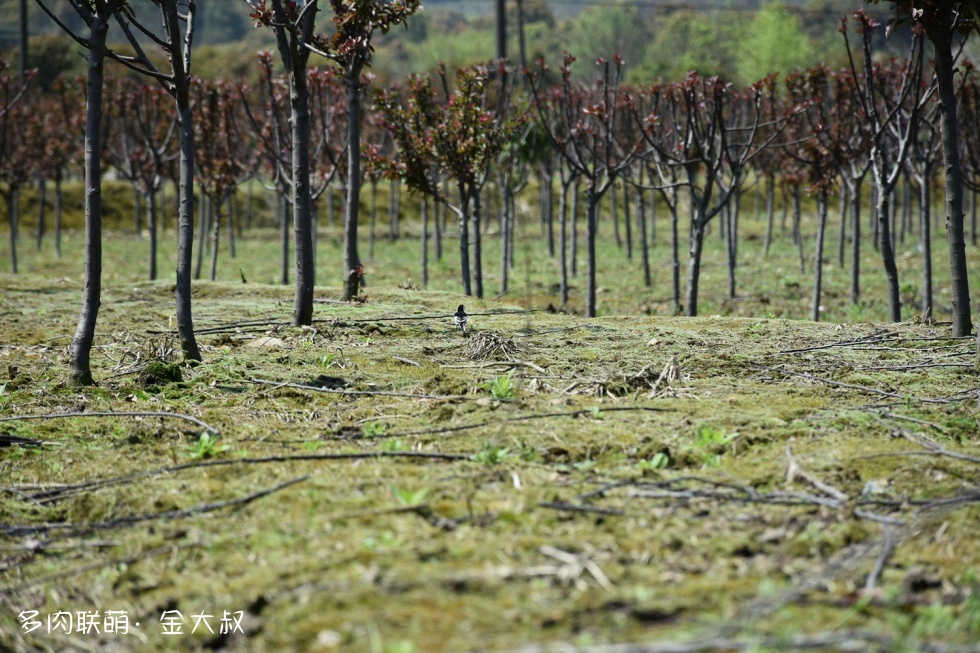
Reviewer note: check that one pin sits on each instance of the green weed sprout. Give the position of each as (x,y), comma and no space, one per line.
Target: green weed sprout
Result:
(491,454)
(207,447)
(373,429)
(501,387)
(410,497)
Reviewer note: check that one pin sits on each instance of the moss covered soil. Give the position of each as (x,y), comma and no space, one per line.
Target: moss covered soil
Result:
(381,482)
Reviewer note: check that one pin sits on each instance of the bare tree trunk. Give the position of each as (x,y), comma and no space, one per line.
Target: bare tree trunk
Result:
(694,267)
(591,221)
(283,238)
(797,233)
(675,256)
(42,188)
(888,256)
(842,236)
(575,202)
(818,258)
(185,229)
(464,240)
(506,219)
(563,234)
(437,212)
(959,277)
(215,236)
(614,213)
(925,241)
(12,203)
(626,221)
(352,206)
(302,199)
(151,223)
(547,203)
(202,230)
(80,372)
(57,215)
(234,224)
(770,217)
(477,245)
(373,218)
(425,240)
(854,191)
(641,221)
(731,247)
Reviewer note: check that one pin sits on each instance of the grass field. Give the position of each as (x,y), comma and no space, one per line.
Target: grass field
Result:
(747,480)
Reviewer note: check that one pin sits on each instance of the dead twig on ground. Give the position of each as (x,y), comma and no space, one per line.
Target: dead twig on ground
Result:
(135,519)
(207,427)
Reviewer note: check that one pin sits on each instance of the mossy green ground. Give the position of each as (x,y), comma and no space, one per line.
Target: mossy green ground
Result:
(651,479)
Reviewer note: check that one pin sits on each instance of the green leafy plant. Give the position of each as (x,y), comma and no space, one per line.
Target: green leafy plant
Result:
(709,438)
(312,445)
(410,497)
(395,445)
(501,387)
(706,436)
(659,460)
(326,360)
(491,454)
(373,429)
(207,447)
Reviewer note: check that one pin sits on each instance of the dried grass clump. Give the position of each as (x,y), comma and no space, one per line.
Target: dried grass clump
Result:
(487,345)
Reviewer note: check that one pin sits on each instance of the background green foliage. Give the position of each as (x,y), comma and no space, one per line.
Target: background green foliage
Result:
(741,41)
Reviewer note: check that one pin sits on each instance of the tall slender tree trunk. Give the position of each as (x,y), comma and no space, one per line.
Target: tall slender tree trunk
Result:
(464,240)
(373,219)
(202,230)
(925,242)
(770,217)
(505,242)
(842,235)
(57,214)
(854,192)
(299,99)
(42,188)
(591,221)
(574,236)
(12,202)
(151,223)
(284,241)
(185,232)
(675,256)
(818,257)
(641,222)
(563,235)
(477,244)
(215,236)
(80,371)
(424,209)
(731,242)
(626,221)
(959,277)
(352,206)
(694,266)
(888,256)
(797,223)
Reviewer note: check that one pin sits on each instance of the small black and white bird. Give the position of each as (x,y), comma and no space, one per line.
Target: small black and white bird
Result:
(460,318)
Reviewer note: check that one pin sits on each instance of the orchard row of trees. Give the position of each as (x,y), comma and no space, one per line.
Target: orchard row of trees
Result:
(694,143)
